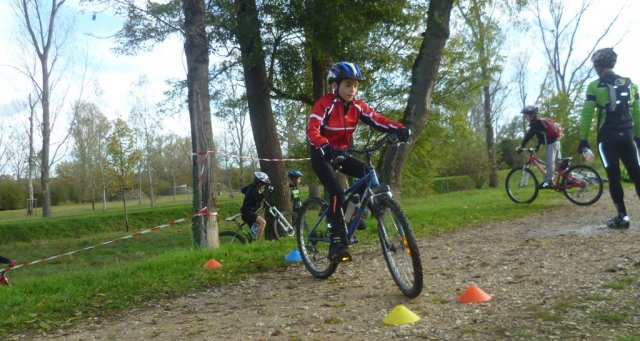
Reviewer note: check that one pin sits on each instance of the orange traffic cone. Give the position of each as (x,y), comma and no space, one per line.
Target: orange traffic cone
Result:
(212,264)
(473,294)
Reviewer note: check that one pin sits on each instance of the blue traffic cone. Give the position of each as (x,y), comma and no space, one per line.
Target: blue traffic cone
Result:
(293,256)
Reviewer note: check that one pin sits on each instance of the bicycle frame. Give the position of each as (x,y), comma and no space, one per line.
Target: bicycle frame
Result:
(558,171)
(372,190)
(280,219)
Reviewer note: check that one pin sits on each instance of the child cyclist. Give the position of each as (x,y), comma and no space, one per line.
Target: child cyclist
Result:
(295,178)
(253,196)
(10,262)
(553,151)
(332,122)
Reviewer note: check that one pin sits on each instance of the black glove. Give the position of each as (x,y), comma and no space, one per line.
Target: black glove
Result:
(582,145)
(538,147)
(519,149)
(339,153)
(403,134)
(326,151)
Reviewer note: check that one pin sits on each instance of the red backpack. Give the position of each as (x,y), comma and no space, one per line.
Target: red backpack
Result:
(553,128)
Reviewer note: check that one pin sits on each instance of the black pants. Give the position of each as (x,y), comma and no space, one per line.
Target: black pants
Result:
(4,260)
(616,146)
(351,166)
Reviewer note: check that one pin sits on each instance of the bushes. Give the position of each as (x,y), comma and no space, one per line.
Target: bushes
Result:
(12,195)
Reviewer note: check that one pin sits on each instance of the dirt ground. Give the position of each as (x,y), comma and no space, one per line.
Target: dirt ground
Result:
(561,275)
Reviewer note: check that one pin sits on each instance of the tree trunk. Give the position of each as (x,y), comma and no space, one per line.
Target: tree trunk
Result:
(262,122)
(32,161)
(204,228)
(423,76)
(46,138)
(490,138)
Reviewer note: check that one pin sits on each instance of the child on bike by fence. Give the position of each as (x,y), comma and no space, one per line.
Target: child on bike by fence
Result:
(254,194)
(332,123)
(295,178)
(9,262)
(549,136)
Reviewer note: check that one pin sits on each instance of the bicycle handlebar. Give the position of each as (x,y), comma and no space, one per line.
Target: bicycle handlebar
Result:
(388,139)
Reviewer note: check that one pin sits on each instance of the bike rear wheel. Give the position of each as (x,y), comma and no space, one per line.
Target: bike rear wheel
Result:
(521,185)
(230,237)
(399,247)
(279,231)
(582,185)
(312,233)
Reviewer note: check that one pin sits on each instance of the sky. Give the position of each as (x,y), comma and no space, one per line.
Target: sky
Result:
(115,74)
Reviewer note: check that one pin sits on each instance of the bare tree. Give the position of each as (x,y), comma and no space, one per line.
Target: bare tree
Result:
(39,20)
(560,32)
(146,125)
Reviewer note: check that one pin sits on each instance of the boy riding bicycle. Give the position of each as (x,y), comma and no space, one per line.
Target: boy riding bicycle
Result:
(333,120)
(253,196)
(10,262)
(552,141)
(295,178)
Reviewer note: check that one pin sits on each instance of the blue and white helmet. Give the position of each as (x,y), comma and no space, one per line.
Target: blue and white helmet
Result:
(344,70)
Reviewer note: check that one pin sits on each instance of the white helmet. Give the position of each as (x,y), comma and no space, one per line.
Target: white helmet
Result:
(261,177)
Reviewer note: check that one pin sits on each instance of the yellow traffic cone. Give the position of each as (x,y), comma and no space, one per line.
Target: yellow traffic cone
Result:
(401,315)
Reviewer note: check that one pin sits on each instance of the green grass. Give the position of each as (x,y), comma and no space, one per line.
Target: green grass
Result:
(163,264)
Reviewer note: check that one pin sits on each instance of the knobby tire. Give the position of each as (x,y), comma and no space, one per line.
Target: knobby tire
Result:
(399,247)
(230,237)
(312,235)
(583,185)
(522,185)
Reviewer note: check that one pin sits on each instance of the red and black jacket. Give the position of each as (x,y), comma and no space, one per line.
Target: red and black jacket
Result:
(334,121)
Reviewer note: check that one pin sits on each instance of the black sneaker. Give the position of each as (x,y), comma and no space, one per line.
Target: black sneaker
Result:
(618,223)
(339,252)
(361,225)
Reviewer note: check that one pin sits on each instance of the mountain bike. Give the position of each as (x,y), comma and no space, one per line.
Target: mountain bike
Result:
(399,245)
(581,184)
(283,223)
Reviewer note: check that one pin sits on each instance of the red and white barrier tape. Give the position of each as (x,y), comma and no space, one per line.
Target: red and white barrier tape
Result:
(237,156)
(203,212)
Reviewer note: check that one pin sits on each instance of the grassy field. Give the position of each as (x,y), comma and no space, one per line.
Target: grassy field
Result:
(163,264)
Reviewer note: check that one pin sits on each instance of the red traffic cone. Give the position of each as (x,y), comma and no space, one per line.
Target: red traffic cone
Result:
(473,294)
(212,264)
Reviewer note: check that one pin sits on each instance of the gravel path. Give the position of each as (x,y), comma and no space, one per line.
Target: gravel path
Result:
(561,275)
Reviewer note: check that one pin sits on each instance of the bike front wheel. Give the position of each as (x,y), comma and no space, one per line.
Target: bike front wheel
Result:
(312,233)
(582,185)
(230,237)
(281,231)
(521,185)
(399,247)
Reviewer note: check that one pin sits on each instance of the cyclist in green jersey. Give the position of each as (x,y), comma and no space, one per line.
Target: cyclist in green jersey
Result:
(614,100)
